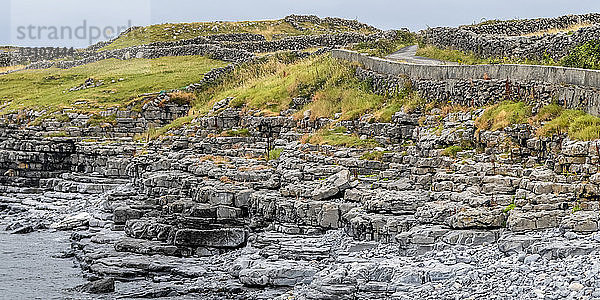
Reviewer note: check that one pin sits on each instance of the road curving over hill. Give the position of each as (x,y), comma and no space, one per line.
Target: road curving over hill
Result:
(409,55)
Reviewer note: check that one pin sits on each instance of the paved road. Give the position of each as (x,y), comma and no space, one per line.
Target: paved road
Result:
(409,55)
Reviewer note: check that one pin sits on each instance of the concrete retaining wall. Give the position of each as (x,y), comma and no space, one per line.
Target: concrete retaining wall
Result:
(548,74)
(469,85)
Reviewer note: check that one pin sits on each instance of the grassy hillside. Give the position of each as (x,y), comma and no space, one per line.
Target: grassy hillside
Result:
(331,84)
(49,89)
(181,31)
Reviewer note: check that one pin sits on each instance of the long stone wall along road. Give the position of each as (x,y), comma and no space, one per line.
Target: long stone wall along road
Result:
(478,85)
(409,55)
(548,74)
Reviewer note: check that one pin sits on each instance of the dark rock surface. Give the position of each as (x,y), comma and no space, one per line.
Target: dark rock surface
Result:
(100,286)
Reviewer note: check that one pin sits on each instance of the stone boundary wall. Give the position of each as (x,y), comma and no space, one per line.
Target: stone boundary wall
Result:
(213,51)
(23,55)
(555,46)
(520,27)
(256,42)
(226,51)
(5,60)
(296,20)
(483,84)
(303,42)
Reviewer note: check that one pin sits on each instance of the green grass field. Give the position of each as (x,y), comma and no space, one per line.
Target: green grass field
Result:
(49,88)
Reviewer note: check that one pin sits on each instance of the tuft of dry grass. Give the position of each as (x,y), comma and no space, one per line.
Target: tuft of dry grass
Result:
(182,98)
(10,68)
(215,159)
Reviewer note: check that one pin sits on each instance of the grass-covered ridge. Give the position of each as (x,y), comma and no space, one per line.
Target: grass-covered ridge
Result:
(122,80)
(330,84)
(181,31)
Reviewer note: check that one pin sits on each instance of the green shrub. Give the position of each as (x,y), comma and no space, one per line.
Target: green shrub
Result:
(244,132)
(509,208)
(585,56)
(451,151)
(373,155)
(275,153)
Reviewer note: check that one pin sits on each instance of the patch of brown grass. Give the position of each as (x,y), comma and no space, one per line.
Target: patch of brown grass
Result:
(182,98)
(215,159)
(10,68)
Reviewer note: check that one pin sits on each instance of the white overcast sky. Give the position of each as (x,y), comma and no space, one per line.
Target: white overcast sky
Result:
(17,15)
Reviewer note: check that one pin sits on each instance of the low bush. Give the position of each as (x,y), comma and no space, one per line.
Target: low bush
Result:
(274,154)
(452,151)
(585,56)
(244,132)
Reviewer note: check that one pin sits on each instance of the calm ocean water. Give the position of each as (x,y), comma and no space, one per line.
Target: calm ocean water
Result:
(28,269)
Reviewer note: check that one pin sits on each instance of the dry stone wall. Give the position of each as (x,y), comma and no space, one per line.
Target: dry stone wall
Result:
(521,27)
(554,46)
(297,20)
(25,55)
(226,51)
(506,39)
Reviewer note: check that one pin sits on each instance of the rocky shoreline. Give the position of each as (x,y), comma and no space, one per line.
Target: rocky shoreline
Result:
(238,205)
(198,213)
